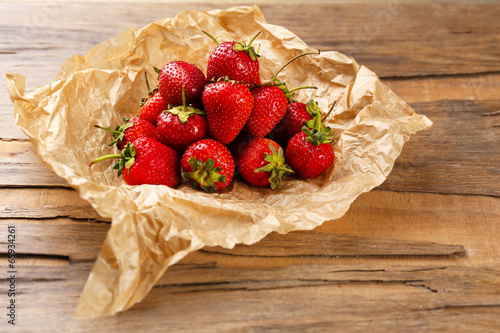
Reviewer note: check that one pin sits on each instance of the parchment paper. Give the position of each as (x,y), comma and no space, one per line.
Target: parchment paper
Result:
(154,227)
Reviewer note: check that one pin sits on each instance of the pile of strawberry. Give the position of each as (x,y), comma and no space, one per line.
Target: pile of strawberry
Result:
(206,128)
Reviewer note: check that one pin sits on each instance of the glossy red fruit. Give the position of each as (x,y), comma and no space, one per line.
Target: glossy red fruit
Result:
(269,107)
(147,161)
(309,152)
(181,126)
(177,74)
(152,107)
(261,162)
(296,115)
(235,60)
(227,106)
(132,130)
(208,165)
(306,159)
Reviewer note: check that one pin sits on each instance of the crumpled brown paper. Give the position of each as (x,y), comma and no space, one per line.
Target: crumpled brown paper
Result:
(154,227)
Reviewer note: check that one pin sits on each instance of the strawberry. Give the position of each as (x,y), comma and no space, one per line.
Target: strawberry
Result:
(297,113)
(309,152)
(146,161)
(208,165)
(235,60)
(269,108)
(227,105)
(152,106)
(261,162)
(270,104)
(131,130)
(182,125)
(177,74)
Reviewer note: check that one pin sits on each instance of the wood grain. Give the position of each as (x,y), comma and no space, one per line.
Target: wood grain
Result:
(34,203)
(459,154)
(320,244)
(19,166)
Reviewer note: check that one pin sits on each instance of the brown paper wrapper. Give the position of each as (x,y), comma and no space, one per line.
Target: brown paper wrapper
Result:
(154,227)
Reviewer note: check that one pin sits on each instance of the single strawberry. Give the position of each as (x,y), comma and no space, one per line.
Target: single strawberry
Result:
(270,104)
(182,125)
(177,74)
(309,152)
(269,108)
(132,130)
(297,113)
(208,165)
(227,105)
(146,161)
(261,162)
(234,60)
(153,105)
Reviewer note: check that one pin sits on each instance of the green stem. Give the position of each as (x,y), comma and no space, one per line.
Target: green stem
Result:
(211,37)
(107,129)
(293,59)
(150,93)
(304,87)
(250,43)
(330,111)
(105,157)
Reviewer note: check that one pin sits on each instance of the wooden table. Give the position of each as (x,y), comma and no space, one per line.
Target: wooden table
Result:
(419,253)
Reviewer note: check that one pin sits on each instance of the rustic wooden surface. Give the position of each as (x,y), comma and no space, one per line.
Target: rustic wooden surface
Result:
(419,253)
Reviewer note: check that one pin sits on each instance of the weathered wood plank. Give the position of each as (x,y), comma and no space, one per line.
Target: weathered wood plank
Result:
(82,241)
(398,224)
(435,88)
(19,166)
(322,296)
(308,243)
(459,154)
(39,203)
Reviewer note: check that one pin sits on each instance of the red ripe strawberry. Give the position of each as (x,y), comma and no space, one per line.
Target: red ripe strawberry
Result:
(297,113)
(269,108)
(181,126)
(208,165)
(152,106)
(261,162)
(309,153)
(270,103)
(146,161)
(177,74)
(227,105)
(235,60)
(131,130)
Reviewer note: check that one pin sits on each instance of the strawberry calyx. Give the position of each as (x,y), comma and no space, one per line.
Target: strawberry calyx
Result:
(204,174)
(241,46)
(183,111)
(312,108)
(248,49)
(276,166)
(289,93)
(119,131)
(126,156)
(315,129)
